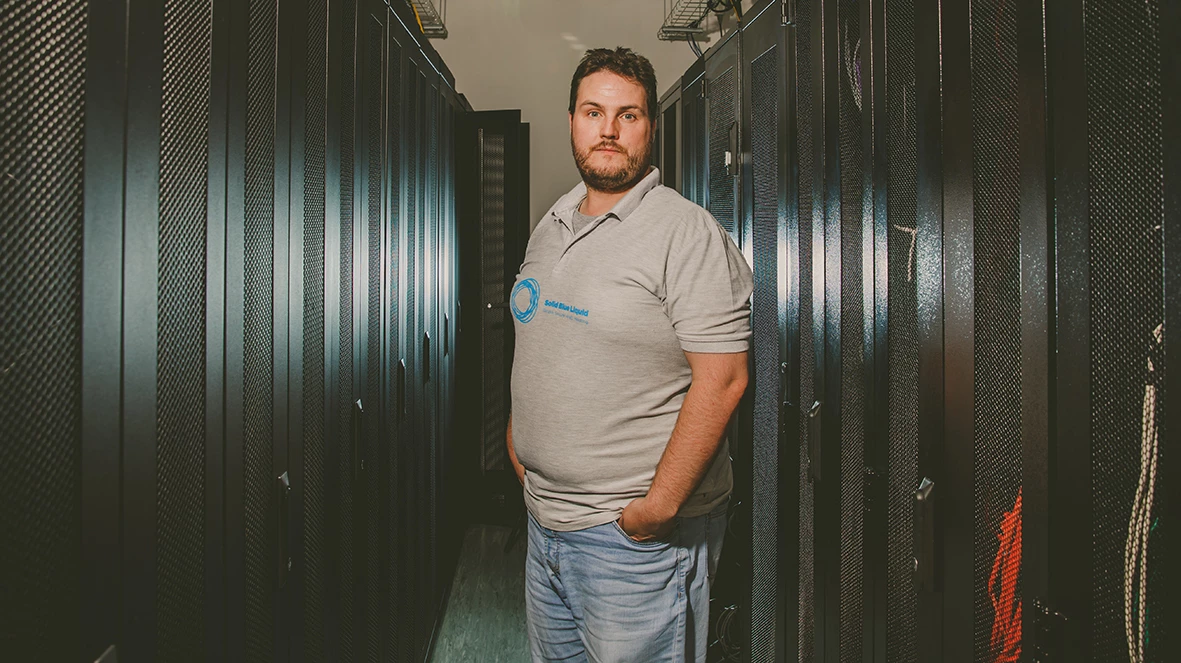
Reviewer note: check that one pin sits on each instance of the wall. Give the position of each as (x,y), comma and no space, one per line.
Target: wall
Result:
(522,53)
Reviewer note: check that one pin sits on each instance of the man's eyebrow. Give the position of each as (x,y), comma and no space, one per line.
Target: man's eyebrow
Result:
(600,106)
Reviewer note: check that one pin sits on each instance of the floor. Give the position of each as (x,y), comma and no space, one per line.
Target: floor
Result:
(485,614)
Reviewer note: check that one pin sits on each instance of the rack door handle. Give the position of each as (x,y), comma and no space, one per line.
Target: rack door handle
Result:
(814,442)
(426,357)
(924,536)
(358,424)
(283,484)
(401,389)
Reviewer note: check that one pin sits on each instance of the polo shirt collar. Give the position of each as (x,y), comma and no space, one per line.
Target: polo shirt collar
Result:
(564,209)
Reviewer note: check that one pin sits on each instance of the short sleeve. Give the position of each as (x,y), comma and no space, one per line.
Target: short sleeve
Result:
(708,285)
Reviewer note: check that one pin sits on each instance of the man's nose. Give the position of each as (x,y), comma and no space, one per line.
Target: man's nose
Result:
(609,129)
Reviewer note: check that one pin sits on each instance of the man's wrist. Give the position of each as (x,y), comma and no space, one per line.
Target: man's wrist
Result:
(661,507)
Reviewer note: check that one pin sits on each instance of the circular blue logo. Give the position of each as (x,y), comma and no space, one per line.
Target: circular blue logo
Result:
(525,313)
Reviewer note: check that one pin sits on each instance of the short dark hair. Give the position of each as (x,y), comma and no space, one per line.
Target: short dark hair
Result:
(624,62)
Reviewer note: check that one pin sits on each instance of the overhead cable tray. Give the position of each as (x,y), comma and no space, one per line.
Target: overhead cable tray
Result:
(430,18)
(683,20)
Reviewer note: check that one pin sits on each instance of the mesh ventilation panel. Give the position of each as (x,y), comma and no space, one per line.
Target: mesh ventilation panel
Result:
(432,325)
(41,147)
(669,154)
(996,202)
(492,247)
(315,544)
(345,395)
(701,159)
(853,230)
(723,109)
(409,506)
(394,517)
(180,375)
(902,183)
(374,614)
(765,342)
(259,323)
(1125,113)
(803,157)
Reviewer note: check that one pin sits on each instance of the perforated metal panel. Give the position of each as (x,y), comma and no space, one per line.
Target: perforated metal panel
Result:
(258,368)
(394,504)
(997,458)
(41,148)
(852,327)
(765,344)
(431,421)
(315,543)
(492,269)
(902,183)
(180,374)
(807,357)
(723,109)
(375,613)
(346,533)
(701,136)
(414,198)
(669,153)
(1125,115)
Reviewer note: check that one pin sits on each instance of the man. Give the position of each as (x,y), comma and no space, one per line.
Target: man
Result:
(632,330)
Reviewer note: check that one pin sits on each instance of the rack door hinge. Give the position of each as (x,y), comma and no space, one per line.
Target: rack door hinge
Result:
(784,14)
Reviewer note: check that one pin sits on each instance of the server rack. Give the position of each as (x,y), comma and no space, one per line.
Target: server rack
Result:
(969,315)
(214,229)
(668,154)
(695,146)
(773,244)
(494,232)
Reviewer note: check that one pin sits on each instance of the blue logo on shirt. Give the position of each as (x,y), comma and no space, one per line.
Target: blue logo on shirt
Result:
(525,313)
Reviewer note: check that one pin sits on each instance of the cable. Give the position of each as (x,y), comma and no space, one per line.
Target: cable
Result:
(1140,525)
(416,16)
(1005,640)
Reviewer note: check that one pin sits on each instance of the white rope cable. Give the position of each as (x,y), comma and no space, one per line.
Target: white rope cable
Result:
(1140,524)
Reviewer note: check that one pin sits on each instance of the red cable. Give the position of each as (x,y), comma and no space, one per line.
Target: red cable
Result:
(1002,589)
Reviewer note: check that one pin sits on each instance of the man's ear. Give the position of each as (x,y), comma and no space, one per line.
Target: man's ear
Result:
(571,123)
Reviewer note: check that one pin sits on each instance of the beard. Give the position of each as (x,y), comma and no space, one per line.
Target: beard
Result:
(612,179)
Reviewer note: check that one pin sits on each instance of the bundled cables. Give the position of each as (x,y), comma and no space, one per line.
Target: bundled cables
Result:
(1005,643)
(1141,524)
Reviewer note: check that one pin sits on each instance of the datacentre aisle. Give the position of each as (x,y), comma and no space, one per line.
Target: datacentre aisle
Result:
(229,315)
(964,224)
(233,331)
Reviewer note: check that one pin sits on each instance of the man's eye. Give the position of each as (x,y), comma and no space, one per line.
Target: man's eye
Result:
(593,113)
(629,116)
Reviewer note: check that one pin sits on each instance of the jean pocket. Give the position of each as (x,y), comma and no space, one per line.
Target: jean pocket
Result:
(658,543)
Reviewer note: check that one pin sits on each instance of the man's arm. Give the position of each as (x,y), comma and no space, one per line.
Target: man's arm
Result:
(512,455)
(719,381)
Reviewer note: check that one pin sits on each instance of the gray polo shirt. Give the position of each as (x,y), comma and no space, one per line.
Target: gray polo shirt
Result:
(603,318)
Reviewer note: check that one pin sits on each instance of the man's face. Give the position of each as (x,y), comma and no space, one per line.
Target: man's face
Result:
(610,132)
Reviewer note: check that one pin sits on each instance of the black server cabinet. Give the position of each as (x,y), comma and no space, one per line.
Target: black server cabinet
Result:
(201,305)
(977,209)
(493,190)
(773,424)
(719,180)
(1098,580)
(668,149)
(694,134)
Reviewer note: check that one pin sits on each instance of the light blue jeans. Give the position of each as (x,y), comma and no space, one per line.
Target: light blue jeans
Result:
(598,595)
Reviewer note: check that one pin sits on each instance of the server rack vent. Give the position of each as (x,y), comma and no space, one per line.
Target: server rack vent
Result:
(180,374)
